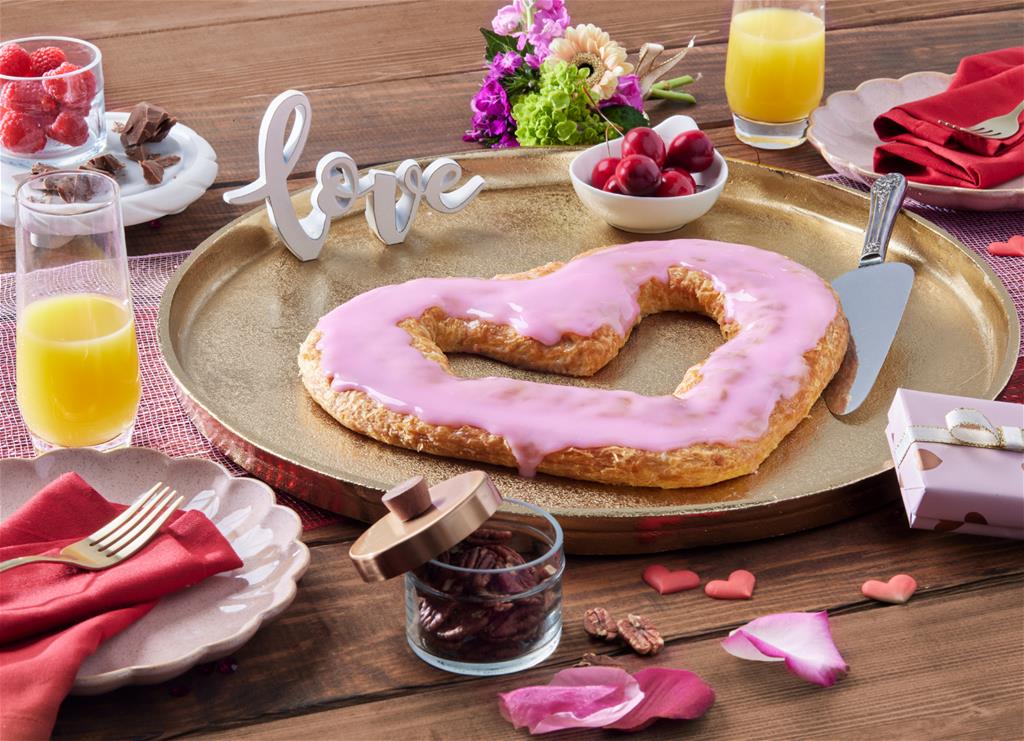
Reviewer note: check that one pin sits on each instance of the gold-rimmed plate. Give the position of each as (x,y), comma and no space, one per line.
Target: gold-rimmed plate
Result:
(233,316)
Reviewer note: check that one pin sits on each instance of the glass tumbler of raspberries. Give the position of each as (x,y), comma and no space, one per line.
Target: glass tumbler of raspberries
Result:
(51,101)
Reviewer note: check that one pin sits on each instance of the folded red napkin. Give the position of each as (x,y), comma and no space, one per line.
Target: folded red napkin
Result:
(53,616)
(985,85)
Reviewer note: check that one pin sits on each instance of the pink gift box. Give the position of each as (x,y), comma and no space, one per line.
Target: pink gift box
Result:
(967,488)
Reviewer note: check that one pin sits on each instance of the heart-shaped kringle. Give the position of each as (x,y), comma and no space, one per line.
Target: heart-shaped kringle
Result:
(377,365)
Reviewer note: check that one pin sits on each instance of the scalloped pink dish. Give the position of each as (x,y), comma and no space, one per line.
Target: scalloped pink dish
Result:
(841,130)
(211,619)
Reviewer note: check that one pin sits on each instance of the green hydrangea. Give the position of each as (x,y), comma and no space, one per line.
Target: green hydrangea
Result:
(558,113)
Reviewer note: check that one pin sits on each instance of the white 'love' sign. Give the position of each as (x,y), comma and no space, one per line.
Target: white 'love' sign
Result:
(338,185)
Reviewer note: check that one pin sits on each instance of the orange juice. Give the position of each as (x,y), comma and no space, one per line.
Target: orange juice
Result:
(775,65)
(77,369)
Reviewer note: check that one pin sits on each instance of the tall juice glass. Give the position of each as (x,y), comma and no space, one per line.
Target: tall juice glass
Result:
(775,69)
(77,362)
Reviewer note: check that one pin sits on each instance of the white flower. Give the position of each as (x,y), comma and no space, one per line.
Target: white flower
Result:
(588,47)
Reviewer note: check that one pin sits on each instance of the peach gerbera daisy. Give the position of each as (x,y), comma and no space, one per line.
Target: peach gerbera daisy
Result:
(588,47)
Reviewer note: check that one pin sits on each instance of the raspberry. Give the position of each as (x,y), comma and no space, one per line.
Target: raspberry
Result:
(19,133)
(15,61)
(28,97)
(69,128)
(72,90)
(45,59)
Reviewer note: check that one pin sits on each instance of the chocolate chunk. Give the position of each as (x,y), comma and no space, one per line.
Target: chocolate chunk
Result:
(136,153)
(167,160)
(146,123)
(38,168)
(70,188)
(105,163)
(152,171)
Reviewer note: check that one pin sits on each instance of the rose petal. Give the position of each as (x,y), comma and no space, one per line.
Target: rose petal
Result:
(668,693)
(801,639)
(583,697)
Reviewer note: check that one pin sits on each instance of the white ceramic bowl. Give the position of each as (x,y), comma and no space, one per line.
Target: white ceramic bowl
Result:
(648,214)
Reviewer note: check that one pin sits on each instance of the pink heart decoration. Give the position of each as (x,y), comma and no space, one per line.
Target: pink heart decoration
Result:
(739,586)
(896,591)
(664,581)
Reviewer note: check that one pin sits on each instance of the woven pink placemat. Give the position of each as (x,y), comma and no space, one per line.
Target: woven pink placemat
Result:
(163,424)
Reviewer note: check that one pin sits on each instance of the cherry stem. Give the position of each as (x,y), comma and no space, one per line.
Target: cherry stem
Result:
(597,108)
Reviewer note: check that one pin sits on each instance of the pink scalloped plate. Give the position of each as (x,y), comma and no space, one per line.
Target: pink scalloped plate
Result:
(842,131)
(213,618)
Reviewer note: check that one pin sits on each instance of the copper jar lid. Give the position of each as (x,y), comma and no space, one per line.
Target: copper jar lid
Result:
(457,508)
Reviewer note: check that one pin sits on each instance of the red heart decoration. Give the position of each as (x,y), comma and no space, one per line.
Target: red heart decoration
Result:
(739,586)
(1012,247)
(896,591)
(665,581)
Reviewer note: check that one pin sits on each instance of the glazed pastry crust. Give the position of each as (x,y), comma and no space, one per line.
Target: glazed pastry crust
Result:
(434,334)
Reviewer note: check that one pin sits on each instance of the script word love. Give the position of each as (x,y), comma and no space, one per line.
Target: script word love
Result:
(392,198)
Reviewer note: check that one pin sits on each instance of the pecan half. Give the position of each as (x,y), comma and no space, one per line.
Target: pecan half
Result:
(641,635)
(589,659)
(599,624)
(486,535)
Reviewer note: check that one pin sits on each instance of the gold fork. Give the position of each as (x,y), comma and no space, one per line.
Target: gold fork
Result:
(120,538)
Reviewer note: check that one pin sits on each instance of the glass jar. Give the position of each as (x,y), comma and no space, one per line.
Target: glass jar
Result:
(56,118)
(493,603)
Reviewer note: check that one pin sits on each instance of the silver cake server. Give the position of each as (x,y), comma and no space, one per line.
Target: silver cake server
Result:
(874,297)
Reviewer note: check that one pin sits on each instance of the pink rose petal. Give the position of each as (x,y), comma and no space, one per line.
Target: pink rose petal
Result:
(801,639)
(607,697)
(668,693)
(583,697)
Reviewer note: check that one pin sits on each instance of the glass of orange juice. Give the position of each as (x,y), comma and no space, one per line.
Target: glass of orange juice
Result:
(77,362)
(775,69)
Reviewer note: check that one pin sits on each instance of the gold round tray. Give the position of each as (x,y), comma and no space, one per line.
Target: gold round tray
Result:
(233,316)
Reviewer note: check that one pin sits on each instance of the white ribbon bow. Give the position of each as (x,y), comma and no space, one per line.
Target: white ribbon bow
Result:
(963,427)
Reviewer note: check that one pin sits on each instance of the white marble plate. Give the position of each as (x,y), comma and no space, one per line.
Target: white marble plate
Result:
(183,183)
(842,131)
(211,619)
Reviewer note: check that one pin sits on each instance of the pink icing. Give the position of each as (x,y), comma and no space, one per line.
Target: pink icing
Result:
(782,307)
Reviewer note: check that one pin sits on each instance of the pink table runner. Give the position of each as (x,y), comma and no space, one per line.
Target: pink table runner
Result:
(162,423)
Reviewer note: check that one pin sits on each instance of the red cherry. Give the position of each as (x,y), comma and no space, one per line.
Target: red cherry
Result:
(685,173)
(638,175)
(611,185)
(675,184)
(645,141)
(602,171)
(691,150)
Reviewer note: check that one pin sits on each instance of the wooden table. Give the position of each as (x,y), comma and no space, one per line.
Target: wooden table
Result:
(392,79)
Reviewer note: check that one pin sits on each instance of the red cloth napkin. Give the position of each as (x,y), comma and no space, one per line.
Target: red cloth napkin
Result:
(985,85)
(53,616)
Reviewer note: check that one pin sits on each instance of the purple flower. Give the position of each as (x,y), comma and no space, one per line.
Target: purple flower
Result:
(490,99)
(550,19)
(493,124)
(628,93)
(507,19)
(505,63)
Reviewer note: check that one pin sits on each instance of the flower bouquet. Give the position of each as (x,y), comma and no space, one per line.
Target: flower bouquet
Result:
(551,84)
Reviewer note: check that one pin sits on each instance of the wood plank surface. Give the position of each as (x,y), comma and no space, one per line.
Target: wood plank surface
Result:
(370,96)
(892,691)
(391,79)
(342,642)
